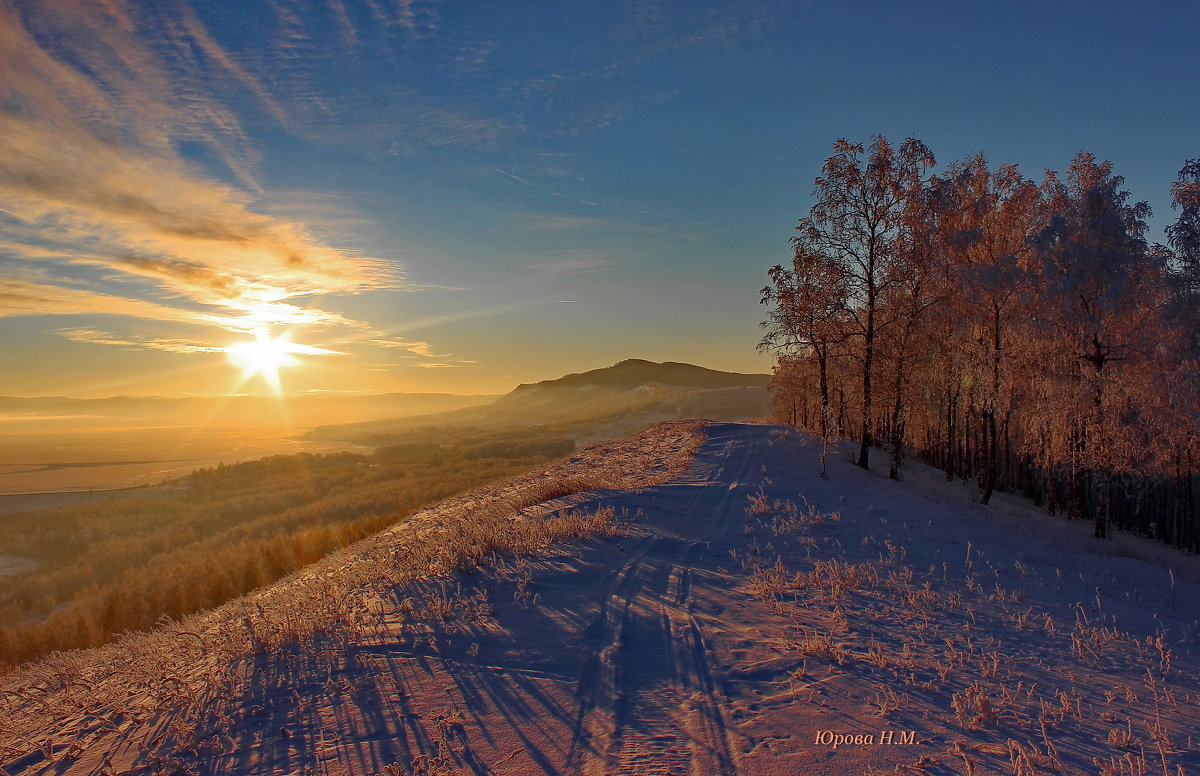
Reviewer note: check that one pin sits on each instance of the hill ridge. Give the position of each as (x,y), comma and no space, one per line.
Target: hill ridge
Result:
(637,371)
(602,403)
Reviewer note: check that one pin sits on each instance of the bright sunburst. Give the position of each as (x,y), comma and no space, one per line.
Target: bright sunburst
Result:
(266,355)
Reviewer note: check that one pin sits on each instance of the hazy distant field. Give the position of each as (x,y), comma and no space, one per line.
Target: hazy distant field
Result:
(76,575)
(131,457)
(56,444)
(106,561)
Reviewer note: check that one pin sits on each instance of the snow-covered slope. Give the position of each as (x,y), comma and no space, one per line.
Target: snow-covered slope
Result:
(746,617)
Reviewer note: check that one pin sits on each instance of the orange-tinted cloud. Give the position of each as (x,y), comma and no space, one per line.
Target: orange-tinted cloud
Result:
(153,219)
(168,344)
(21,297)
(89,177)
(416,348)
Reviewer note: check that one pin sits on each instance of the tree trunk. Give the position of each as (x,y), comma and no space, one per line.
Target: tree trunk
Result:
(988,453)
(1103,505)
(897,435)
(823,367)
(951,437)
(868,357)
(967,468)
(1008,467)
(1189,513)
(864,447)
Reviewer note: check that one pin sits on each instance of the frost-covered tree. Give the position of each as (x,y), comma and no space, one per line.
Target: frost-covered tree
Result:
(1023,336)
(858,223)
(994,212)
(807,317)
(1100,308)
(789,390)
(1184,235)
(918,283)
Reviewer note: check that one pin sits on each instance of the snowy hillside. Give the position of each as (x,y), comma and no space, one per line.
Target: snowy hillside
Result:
(732,613)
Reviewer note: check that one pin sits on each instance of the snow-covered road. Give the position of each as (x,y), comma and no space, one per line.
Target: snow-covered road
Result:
(750,618)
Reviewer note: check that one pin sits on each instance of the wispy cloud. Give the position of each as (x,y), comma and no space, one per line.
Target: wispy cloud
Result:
(546,222)
(416,348)
(22,297)
(620,226)
(418,354)
(154,219)
(573,265)
(168,344)
(63,59)
(332,215)
(89,177)
(406,126)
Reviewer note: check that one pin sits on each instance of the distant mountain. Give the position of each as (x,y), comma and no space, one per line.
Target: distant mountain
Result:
(636,372)
(596,404)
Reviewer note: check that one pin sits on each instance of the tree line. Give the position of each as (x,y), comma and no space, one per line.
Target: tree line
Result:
(1019,333)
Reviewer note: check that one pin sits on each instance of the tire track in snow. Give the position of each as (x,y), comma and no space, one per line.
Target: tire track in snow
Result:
(648,703)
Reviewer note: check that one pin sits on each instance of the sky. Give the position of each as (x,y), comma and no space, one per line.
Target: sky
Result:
(234,196)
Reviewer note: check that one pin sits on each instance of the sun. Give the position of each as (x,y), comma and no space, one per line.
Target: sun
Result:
(264,355)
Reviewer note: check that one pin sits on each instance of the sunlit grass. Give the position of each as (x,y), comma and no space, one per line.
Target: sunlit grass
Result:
(109,567)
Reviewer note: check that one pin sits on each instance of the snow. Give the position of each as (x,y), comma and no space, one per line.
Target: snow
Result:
(749,618)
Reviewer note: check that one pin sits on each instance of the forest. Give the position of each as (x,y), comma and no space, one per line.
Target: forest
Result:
(1020,334)
(124,565)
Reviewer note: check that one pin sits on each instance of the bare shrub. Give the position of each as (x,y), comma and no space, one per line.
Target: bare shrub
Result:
(973,707)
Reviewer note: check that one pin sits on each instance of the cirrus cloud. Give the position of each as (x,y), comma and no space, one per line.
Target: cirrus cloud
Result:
(91,115)
(167,344)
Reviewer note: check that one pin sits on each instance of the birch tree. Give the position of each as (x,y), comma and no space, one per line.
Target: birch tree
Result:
(1098,286)
(996,212)
(858,224)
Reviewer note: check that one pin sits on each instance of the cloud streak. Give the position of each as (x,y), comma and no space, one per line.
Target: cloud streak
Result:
(419,350)
(167,344)
(423,349)
(22,297)
(91,114)
(148,217)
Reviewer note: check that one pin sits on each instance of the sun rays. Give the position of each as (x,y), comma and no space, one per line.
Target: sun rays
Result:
(265,355)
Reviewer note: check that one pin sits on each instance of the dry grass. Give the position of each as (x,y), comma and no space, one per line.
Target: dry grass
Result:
(107,568)
(179,669)
(929,643)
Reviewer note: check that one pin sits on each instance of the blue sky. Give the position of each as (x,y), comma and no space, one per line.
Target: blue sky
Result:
(422,195)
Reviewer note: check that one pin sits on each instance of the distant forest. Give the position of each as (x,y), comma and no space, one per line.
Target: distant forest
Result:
(1017,333)
(110,567)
